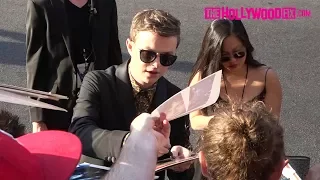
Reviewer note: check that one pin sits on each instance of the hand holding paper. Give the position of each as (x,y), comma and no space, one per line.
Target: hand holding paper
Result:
(159,128)
(198,96)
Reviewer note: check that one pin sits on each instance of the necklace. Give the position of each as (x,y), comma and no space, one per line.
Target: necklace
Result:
(244,86)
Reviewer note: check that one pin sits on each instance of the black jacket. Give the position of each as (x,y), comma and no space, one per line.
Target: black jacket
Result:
(105,109)
(49,56)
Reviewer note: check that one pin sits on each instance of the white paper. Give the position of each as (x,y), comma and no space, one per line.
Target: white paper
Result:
(290,173)
(198,96)
(31,92)
(10,97)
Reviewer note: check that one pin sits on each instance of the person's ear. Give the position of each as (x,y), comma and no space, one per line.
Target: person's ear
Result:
(129,45)
(203,165)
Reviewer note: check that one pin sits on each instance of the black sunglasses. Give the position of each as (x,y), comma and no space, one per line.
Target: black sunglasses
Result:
(237,55)
(148,56)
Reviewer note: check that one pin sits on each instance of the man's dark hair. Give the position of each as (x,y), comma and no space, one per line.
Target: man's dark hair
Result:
(157,21)
(10,124)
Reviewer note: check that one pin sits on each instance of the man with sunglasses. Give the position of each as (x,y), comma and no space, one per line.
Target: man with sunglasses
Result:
(110,99)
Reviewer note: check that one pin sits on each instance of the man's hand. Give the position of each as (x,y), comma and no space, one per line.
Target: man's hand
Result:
(180,152)
(138,158)
(162,126)
(159,128)
(38,126)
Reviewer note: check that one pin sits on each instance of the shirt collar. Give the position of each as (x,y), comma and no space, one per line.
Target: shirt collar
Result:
(136,88)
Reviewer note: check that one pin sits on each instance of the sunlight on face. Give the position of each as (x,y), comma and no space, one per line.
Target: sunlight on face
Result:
(233,53)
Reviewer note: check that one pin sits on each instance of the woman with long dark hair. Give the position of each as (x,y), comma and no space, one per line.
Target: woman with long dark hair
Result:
(226,46)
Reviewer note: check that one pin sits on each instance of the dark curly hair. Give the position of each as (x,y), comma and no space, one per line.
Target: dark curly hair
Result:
(10,124)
